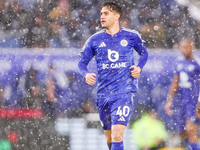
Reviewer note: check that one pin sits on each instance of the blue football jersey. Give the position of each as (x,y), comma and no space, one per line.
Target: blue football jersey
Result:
(114,56)
(189,73)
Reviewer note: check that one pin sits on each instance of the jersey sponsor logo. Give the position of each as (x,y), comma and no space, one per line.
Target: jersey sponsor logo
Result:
(113,56)
(114,65)
(184,80)
(102,44)
(124,43)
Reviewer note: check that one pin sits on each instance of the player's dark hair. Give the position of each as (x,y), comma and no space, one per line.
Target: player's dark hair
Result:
(113,6)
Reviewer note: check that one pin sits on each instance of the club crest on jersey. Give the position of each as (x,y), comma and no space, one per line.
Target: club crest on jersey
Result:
(124,43)
(113,56)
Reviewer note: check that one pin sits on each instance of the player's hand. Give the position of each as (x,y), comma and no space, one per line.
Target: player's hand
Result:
(168,107)
(135,71)
(90,78)
(198,110)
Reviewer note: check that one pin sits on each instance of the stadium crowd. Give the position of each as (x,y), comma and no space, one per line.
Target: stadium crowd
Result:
(66,24)
(56,94)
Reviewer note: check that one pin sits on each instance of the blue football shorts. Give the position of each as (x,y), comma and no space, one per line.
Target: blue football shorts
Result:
(115,109)
(186,111)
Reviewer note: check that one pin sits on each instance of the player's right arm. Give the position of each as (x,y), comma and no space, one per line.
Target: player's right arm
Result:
(172,91)
(85,56)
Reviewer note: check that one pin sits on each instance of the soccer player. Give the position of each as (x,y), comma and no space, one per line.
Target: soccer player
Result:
(113,49)
(186,83)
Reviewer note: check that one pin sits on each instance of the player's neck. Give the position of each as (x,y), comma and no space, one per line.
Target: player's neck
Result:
(113,30)
(189,57)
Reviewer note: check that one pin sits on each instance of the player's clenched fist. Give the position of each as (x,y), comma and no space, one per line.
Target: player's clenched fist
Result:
(135,71)
(90,78)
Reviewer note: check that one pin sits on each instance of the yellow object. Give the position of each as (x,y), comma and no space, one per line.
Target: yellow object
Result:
(165,148)
(148,131)
(57,12)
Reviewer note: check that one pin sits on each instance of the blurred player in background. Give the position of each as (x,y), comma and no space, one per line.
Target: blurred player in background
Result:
(113,49)
(186,83)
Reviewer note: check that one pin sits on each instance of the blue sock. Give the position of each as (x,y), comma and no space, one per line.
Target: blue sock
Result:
(117,146)
(191,146)
(109,146)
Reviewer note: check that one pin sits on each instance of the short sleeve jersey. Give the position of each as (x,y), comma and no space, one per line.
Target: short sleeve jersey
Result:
(189,74)
(114,56)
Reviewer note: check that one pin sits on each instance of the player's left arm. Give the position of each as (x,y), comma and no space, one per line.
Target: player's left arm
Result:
(139,46)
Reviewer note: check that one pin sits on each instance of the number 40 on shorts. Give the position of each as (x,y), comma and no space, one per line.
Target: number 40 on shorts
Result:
(124,111)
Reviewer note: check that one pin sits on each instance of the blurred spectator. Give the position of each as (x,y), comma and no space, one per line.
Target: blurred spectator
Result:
(74,33)
(33,97)
(11,25)
(69,96)
(39,32)
(153,33)
(33,100)
(149,9)
(13,19)
(64,94)
(2,105)
(54,37)
(88,107)
(32,80)
(61,12)
(187,23)
(36,28)
(197,35)
(2,5)
(173,34)
(179,26)
(149,131)
(50,105)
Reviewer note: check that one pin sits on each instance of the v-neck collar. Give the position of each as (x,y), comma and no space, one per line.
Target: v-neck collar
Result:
(120,30)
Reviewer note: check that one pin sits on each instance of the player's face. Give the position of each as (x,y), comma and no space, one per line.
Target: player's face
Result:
(186,47)
(108,17)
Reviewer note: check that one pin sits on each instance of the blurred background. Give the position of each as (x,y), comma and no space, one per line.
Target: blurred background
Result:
(46,104)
